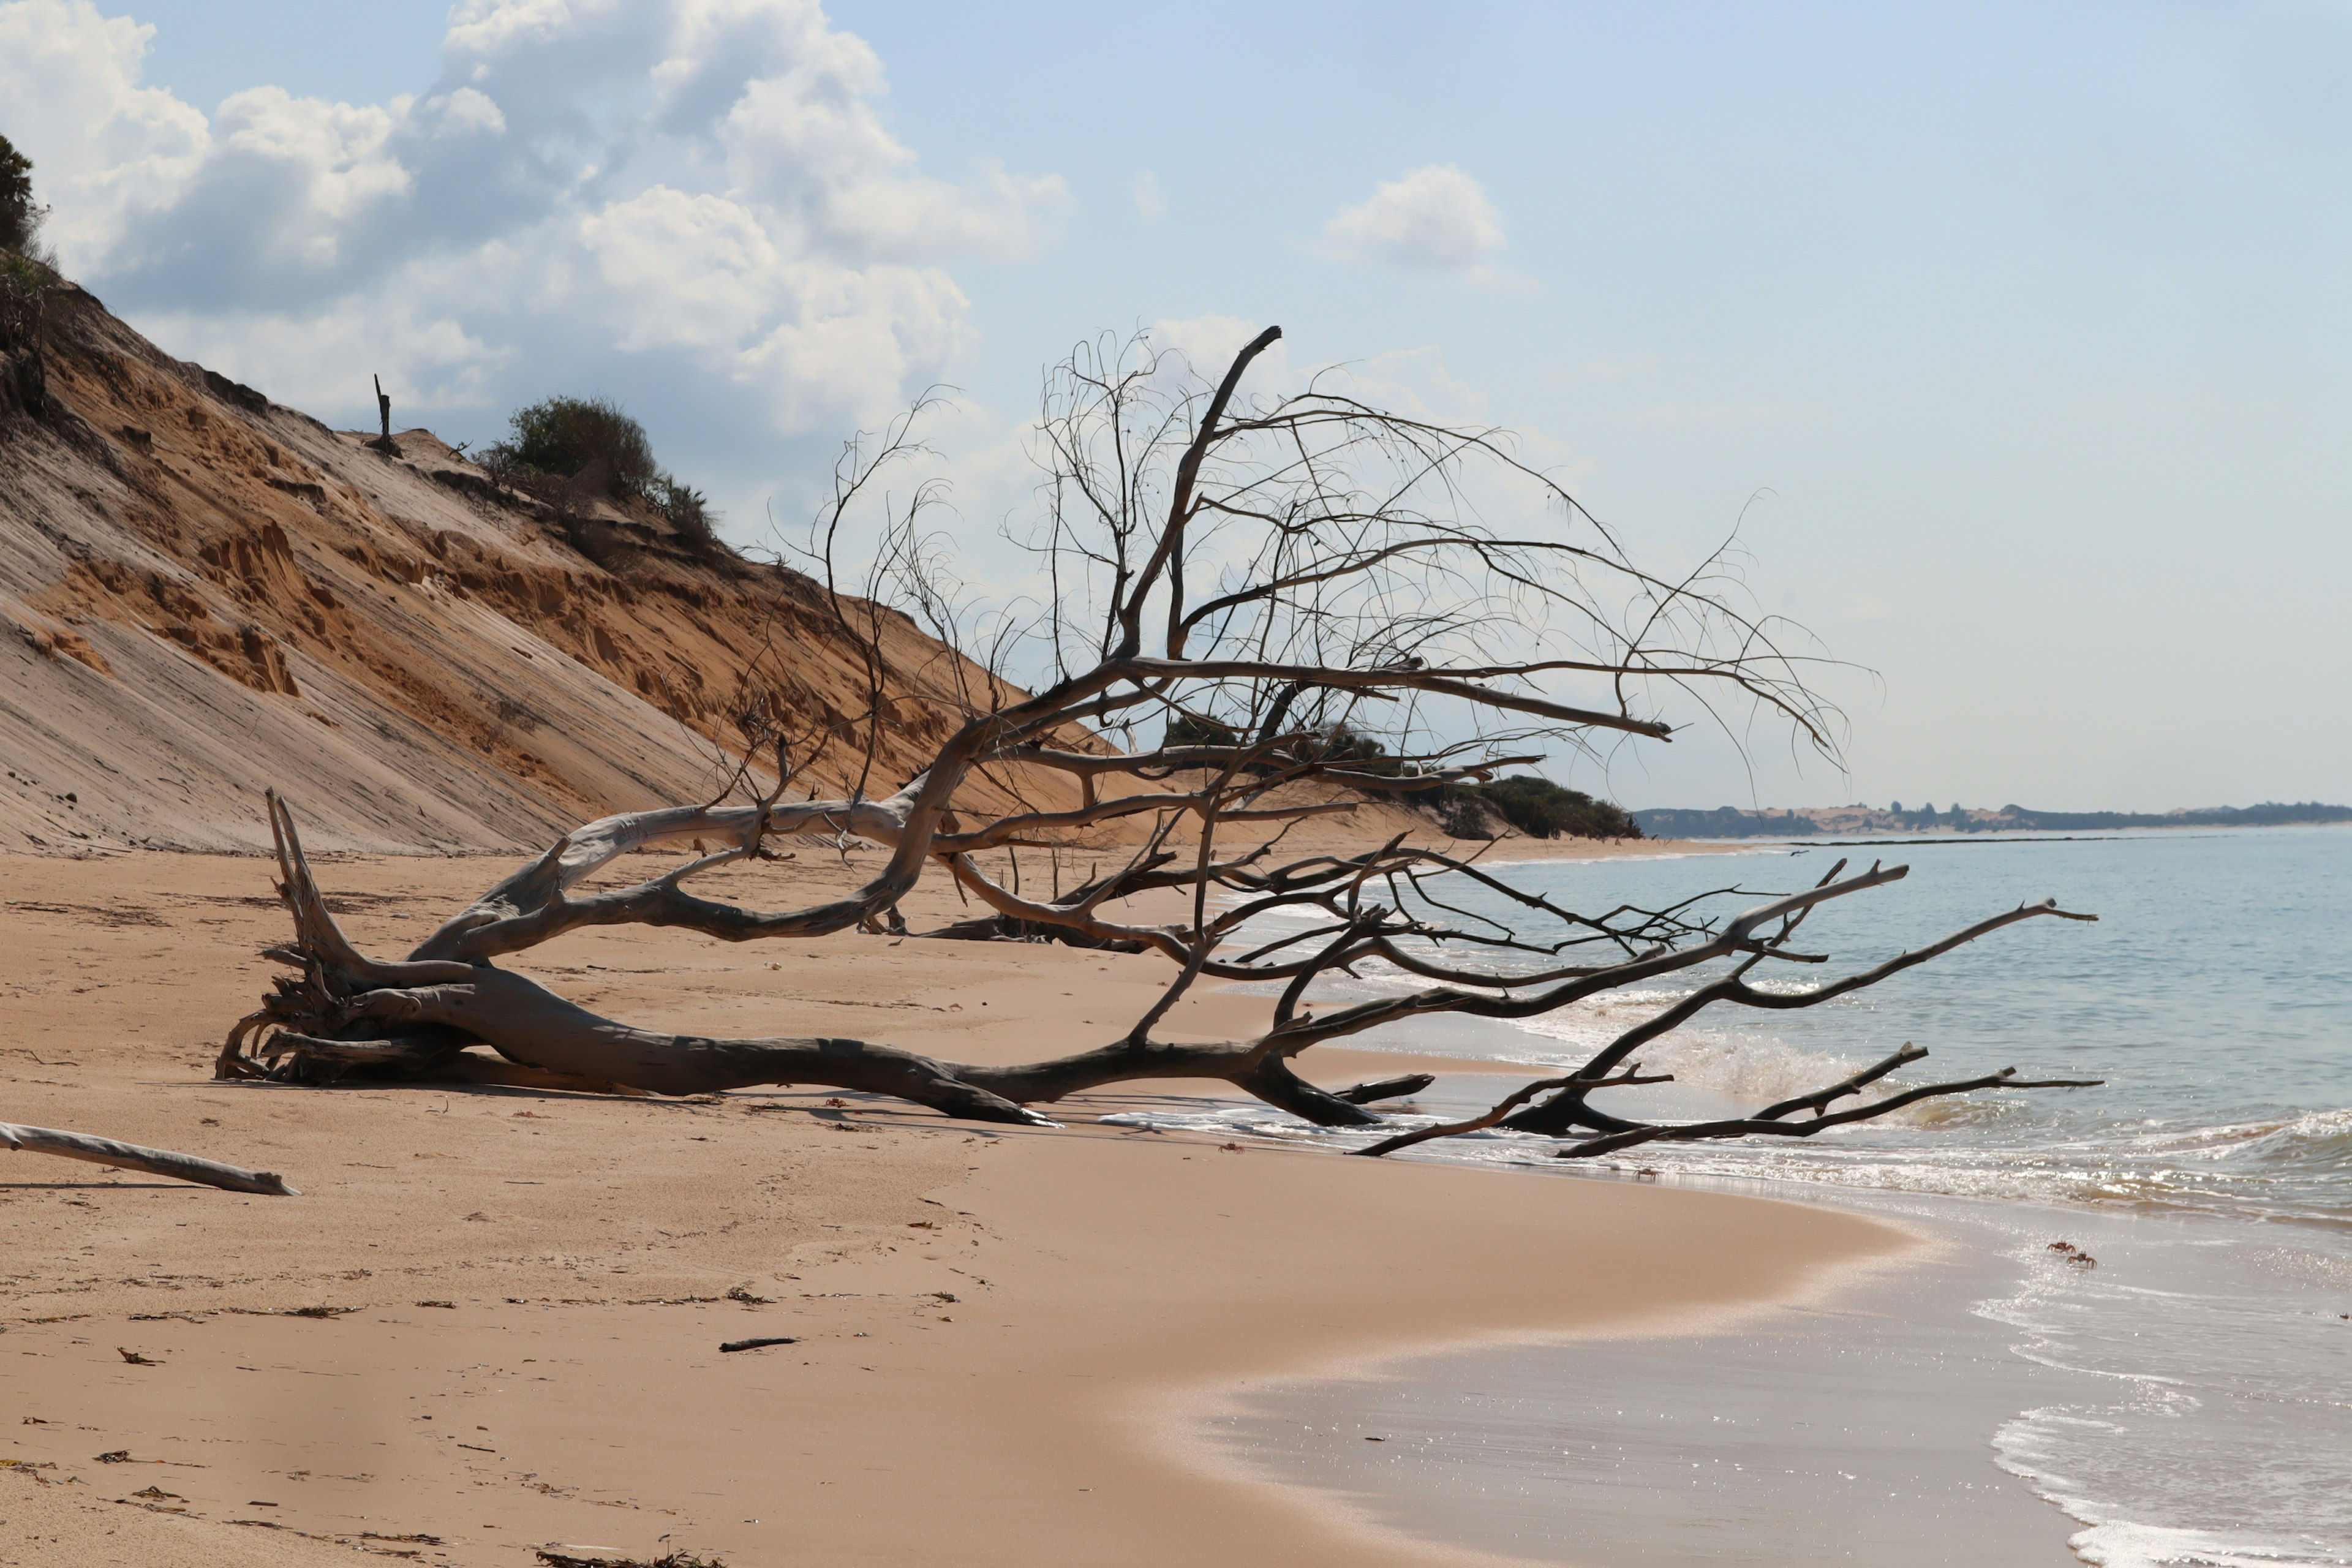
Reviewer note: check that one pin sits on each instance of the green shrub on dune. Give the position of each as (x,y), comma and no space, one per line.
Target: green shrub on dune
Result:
(20,219)
(590,444)
(1542,809)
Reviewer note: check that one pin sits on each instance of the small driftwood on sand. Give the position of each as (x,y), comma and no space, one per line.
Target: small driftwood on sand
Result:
(1261,611)
(148,1162)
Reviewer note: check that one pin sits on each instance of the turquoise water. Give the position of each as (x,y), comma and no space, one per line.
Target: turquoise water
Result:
(2201,1375)
(2214,996)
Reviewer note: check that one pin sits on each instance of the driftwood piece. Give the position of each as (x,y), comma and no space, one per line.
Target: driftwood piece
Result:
(1387,1089)
(151,1161)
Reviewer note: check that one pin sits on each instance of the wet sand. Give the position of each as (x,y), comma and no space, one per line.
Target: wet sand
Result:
(1855,1429)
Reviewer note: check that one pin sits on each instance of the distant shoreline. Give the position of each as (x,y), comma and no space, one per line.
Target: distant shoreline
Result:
(1927,825)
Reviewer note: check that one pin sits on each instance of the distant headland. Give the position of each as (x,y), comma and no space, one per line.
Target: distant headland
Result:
(1730,822)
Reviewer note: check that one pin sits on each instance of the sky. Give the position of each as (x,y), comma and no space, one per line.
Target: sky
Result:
(2014,341)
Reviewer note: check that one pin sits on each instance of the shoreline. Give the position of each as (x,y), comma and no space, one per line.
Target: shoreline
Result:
(1861,1425)
(1104,1279)
(1968,1387)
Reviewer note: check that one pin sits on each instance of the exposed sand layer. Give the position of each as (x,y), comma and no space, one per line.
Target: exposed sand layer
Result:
(1001,1335)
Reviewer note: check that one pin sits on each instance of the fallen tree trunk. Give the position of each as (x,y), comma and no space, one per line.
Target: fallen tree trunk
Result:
(149,1162)
(1261,578)
(348,1013)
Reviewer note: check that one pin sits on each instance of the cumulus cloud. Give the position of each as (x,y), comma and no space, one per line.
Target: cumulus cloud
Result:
(694,202)
(1434,219)
(100,142)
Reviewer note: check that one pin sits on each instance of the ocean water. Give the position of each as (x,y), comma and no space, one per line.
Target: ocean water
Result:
(2185,1401)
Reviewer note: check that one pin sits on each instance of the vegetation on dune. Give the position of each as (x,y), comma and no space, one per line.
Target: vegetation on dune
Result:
(1542,809)
(27,273)
(589,445)
(586,439)
(24,284)
(1190,730)
(1528,802)
(20,217)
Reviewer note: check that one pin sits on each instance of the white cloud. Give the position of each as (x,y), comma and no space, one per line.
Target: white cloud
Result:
(1434,219)
(692,205)
(99,142)
(1150,201)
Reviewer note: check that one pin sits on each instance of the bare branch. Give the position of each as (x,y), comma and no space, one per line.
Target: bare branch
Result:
(1504,1107)
(1764,1127)
(148,1162)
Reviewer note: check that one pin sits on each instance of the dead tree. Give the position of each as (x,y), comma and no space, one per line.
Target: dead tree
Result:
(384,443)
(1301,598)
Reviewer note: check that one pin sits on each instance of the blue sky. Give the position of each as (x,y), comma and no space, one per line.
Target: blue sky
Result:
(2019,334)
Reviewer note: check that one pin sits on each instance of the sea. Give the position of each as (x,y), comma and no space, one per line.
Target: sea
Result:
(2183,1398)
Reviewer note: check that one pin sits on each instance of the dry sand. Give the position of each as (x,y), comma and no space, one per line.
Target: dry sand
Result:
(1004,1336)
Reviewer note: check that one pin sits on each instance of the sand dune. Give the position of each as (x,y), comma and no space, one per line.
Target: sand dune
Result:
(208,594)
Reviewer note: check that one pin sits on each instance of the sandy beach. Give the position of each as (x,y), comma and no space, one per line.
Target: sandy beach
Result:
(1005,1339)
(895,727)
